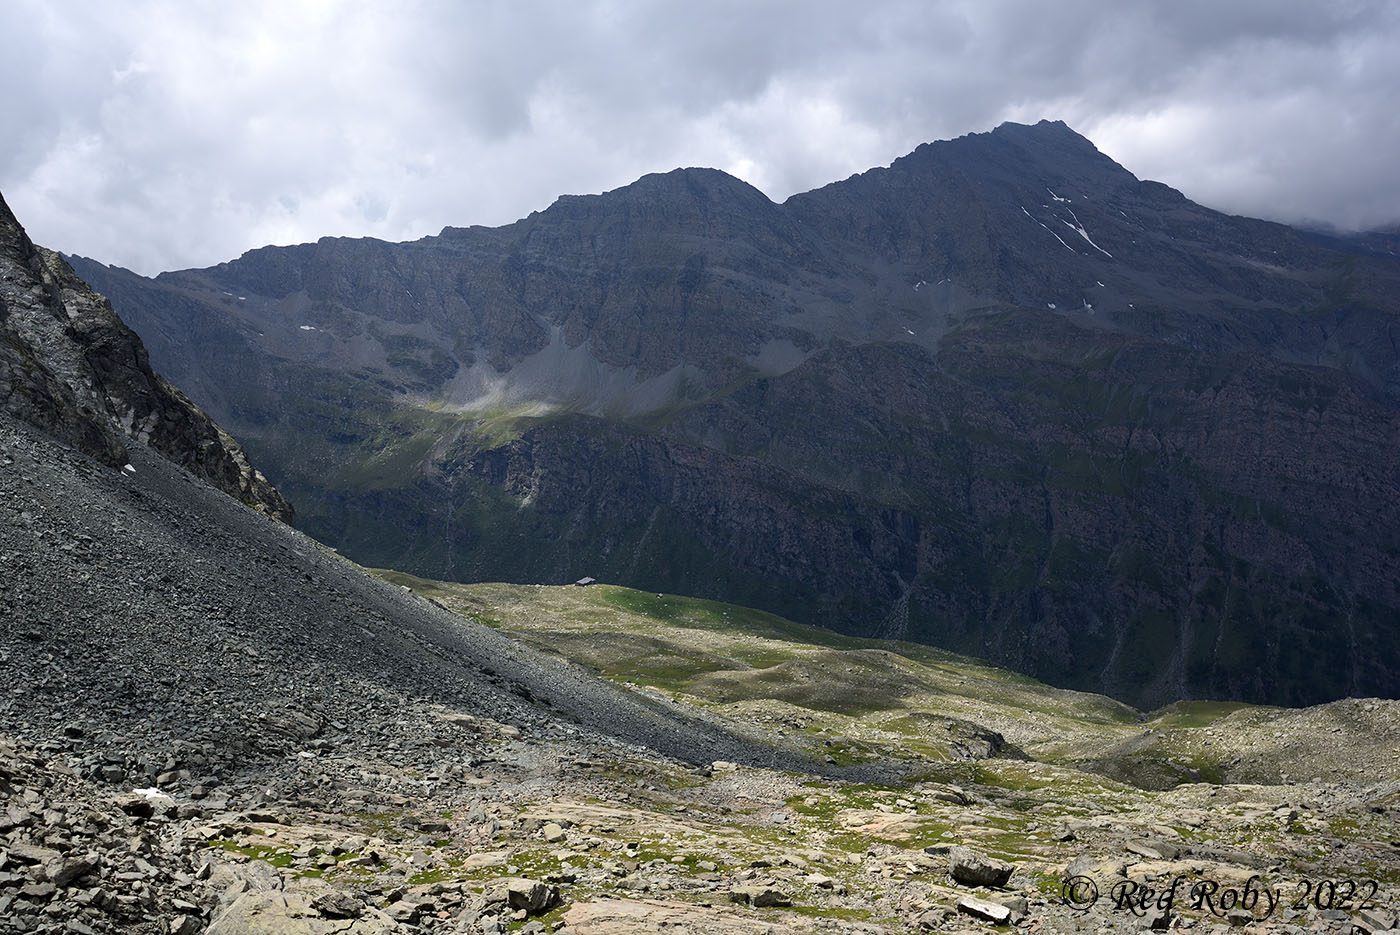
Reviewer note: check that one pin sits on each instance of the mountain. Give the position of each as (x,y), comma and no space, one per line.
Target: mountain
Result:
(68,365)
(1001,397)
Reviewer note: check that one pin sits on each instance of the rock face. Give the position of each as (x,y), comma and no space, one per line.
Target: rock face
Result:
(1001,397)
(69,365)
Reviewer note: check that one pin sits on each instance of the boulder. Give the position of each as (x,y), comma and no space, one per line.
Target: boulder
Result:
(972,868)
(1153,849)
(531,895)
(759,897)
(984,909)
(64,870)
(335,905)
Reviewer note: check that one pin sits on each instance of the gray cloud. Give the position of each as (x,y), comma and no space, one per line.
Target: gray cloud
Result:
(159,135)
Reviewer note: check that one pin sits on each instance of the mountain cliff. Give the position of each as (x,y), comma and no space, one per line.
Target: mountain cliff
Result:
(70,366)
(1000,396)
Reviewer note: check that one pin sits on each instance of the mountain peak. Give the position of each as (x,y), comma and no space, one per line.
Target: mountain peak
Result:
(1047,133)
(692,183)
(1042,127)
(709,202)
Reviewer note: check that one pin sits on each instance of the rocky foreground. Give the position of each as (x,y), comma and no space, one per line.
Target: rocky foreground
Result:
(210,723)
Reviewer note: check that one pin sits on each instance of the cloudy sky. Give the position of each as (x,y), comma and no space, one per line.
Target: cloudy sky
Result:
(162,134)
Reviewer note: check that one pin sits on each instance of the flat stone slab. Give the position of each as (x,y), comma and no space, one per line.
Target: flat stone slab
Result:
(892,826)
(291,913)
(654,917)
(486,859)
(569,814)
(984,909)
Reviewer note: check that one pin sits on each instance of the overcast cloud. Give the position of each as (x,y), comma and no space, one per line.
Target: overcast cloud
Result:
(162,135)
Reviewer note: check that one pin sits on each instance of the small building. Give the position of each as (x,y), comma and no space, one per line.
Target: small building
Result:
(585,582)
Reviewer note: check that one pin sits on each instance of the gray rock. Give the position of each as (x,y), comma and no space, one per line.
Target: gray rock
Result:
(1020,907)
(1238,917)
(531,895)
(1376,919)
(972,868)
(65,870)
(185,925)
(932,920)
(404,912)
(136,805)
(39,892)
(984,909)
(760,897)
(33,854)
(290,913)
(337,905)
(1154,849)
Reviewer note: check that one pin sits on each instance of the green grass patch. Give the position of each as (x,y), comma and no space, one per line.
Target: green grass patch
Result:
(1193,714)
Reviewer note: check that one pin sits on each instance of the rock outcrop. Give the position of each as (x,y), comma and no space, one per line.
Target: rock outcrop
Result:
(70,366)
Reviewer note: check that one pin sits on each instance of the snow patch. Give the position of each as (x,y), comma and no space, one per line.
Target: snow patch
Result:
(1058,198)
(1050,305)
(151,793)
(128,469)
(918,285)
(308,327)
(1078,228)
(1100,284)
(1052,233)
(906,329)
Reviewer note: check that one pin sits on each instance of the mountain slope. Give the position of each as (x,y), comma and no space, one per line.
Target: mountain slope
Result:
(1000,396)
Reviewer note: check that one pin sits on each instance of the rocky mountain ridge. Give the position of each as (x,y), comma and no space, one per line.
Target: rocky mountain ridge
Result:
(1000,396)
(70,366)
